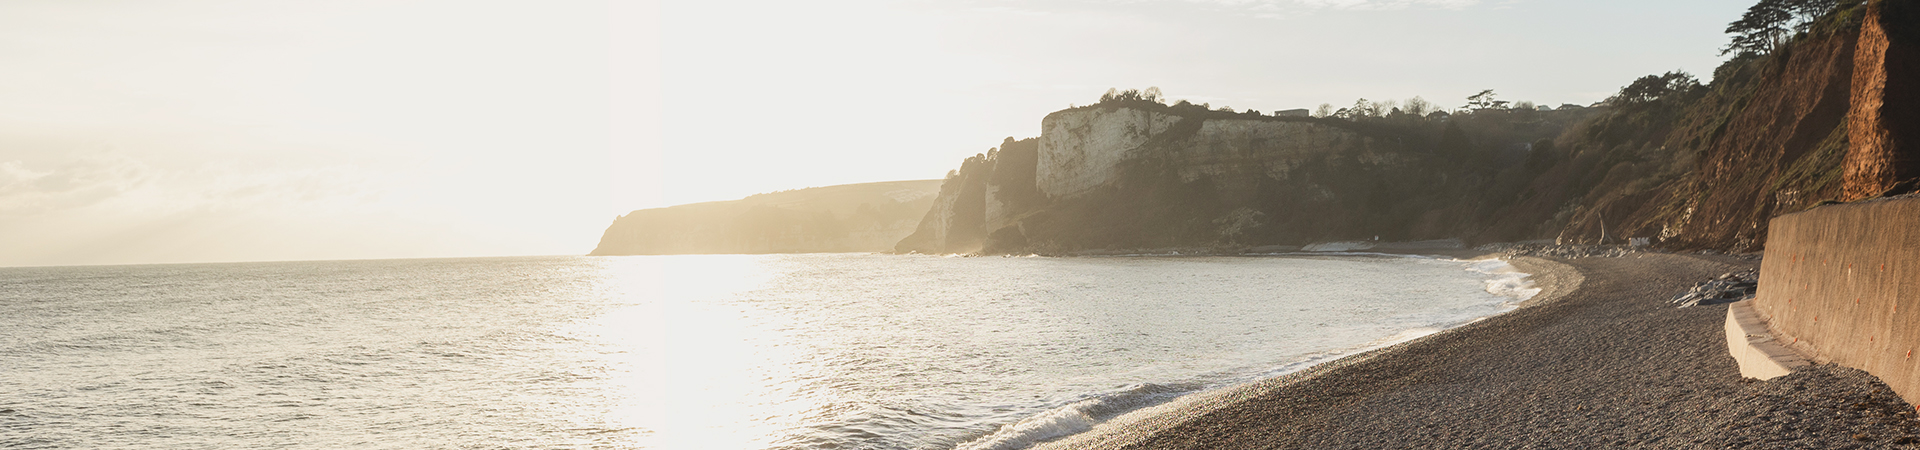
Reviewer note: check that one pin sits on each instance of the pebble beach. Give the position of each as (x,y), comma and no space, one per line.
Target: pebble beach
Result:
(1602,358)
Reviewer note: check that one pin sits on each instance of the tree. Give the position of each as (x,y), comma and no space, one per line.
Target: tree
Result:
(1768,24)
(1323,111)
(1484,100)
(1131,95)
(1760,29)
(1540,155)
(1361,108)
(1653,88)
(1188,107)
(1418,106)
(1811,10)
(1454,143)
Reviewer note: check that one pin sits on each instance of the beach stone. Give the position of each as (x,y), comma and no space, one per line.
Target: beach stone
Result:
(1567,251)
(1609,364)
(1727,288)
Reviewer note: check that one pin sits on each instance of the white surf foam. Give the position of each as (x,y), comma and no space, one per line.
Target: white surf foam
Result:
(1337,246)
(1052,424)
(1505,280)
(1079,416)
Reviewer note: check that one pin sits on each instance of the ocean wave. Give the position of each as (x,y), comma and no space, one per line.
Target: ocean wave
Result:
(1084,415)
(1349,254)
(1076,417)
(1504,280)
(1501,279)
(1054,423)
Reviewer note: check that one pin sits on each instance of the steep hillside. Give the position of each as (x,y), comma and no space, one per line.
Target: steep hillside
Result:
(868,217)
(1826,113)
(1827,117)
(1140,174)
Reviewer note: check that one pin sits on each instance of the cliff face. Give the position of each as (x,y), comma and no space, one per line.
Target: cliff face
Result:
(867,217)
(955,221)
(1128,177)
(1881,157)
(1082,149)
(1776,151)
(1831,115)
(1828,118)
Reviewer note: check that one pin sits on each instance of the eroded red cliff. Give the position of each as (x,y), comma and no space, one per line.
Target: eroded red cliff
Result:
(1880,158)
(1830,117)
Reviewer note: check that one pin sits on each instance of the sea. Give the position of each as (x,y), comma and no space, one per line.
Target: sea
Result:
(801,351)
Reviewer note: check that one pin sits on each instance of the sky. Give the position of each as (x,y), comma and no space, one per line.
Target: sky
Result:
(135,132)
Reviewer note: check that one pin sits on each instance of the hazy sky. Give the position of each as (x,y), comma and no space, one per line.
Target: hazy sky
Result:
(188,131)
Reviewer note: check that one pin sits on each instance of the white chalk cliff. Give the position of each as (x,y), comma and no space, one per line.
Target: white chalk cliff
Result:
(1083,152)
(1082,149)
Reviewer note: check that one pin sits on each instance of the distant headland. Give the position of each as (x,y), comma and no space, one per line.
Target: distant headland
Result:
(867,217)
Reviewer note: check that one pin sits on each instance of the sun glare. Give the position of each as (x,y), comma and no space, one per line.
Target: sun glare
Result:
(690,366)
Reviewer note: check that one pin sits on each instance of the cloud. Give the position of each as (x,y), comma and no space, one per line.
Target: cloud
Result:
(27,189)
(1268,9)
(118,206)
(1011,10)
(1388,4)
(1278,8)
(126,183)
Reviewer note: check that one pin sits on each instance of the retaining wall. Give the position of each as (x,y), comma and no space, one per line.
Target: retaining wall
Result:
(1843,282)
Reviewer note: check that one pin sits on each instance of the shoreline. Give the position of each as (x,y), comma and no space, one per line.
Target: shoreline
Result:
(1498,282)
(1552,278)
(1597,358)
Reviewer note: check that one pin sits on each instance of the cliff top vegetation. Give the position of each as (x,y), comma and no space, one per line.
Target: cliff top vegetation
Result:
(1690,163)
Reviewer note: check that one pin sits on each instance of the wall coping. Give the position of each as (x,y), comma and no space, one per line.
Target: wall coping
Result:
(1753,345)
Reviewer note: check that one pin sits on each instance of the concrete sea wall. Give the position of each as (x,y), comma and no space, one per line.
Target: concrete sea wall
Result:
(1843,283)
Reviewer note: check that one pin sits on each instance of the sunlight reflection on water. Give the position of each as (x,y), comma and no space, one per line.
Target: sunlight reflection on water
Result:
(672,352)
(692,361)
(800,351)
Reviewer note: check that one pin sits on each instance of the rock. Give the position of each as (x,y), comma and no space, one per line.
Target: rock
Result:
(1726,288)
(1563,251)
(1274,249)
